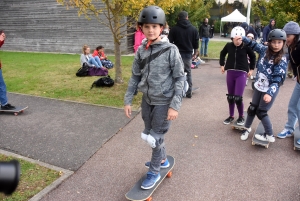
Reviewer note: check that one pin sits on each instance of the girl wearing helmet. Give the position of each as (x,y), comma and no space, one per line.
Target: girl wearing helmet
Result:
(292,30)
(237,72)
(271,71)
(158,73)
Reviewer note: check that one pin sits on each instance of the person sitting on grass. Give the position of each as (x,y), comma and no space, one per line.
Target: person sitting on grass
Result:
(91,61)
(99,51)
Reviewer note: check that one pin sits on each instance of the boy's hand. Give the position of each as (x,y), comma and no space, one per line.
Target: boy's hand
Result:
(222,70)
(267,98)
(172,114)
(250,73)
(127,110)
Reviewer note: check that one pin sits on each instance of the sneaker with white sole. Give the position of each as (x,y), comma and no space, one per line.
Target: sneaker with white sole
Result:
(228,120)
(264,137)
(150,180)
(240,121)
(166,164)
(245,134)
(285,133)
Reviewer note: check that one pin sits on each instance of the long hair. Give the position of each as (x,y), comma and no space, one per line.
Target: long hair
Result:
(275,55)
(294,43)
(84,48)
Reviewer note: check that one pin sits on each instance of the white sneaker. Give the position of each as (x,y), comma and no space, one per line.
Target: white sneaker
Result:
(245,134)
(265,137)
(203,62)
(271,138)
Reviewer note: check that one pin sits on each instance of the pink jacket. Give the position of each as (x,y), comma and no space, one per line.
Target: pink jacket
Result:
(138,37)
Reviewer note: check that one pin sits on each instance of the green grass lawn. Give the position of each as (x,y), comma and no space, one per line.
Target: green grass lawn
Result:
(33,179)
(53,76)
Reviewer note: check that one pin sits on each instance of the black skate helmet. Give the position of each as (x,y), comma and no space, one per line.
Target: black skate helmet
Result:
(152,15)
(277,34)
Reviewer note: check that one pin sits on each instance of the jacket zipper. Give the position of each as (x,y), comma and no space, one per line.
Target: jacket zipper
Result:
(148,74)
(235,58)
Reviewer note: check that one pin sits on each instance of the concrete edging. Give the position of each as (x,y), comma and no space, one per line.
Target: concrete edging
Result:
(65,174)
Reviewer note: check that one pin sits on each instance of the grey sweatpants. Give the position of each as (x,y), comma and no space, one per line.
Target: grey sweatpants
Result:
(156,124)
(257,100)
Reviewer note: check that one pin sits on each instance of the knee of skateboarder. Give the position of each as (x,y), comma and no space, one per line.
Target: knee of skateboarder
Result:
(155,140)
(252,110)
(238,100)
(230,98)
(261,114)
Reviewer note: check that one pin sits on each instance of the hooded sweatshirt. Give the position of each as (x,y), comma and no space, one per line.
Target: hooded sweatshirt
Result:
(267,30)
(295,60)
(185,36)
(159,79)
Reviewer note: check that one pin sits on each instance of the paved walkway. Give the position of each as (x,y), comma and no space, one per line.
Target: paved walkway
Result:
(212,163)
(61,133)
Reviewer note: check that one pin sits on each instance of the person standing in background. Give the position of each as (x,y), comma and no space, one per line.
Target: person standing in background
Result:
(204,34)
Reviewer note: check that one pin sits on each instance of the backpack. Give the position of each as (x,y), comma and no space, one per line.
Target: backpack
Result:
(83,71)
(103,82)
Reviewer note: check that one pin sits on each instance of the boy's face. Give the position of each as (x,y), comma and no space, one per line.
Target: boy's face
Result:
(250,37)
(101,50)
(152,31)
(276,45)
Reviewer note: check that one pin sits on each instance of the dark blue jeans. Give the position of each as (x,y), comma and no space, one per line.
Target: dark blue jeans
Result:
(204,44)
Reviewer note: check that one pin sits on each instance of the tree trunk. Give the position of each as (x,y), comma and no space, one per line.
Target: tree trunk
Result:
(117,42)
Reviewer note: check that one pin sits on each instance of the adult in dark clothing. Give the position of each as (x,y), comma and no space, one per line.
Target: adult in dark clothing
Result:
(185,36)
(225,29)
(267,30)
(249,29)
(212,31)
(292,30)
(258,29)
(204,31)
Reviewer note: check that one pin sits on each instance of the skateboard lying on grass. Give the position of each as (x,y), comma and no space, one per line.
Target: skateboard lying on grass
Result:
(239,127)
(260,130)
(15,111)
(296,138)
(139,194)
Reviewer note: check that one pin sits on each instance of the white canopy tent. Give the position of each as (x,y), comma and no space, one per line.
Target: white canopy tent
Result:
(235,16)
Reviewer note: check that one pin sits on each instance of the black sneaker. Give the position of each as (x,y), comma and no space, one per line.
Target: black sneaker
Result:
(240,121)
(7,107)
(205,55)
(188,95)
(228,120)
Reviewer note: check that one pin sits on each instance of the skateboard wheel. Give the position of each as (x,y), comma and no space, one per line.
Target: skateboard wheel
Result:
(16,114)
(295,148)
(253,143)
(267,146)
(169,174)
(149,199)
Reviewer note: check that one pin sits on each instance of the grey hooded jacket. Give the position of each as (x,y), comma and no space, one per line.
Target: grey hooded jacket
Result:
(160,80)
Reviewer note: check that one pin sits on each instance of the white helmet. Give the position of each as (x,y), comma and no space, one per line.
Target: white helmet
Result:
(237,31)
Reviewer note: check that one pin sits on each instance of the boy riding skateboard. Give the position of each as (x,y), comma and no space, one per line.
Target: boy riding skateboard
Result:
(161,81)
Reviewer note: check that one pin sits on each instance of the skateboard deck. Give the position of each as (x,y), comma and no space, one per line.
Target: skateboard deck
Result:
(296,137)
(138,194)
(238,127)
(260,130)
(15,111)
